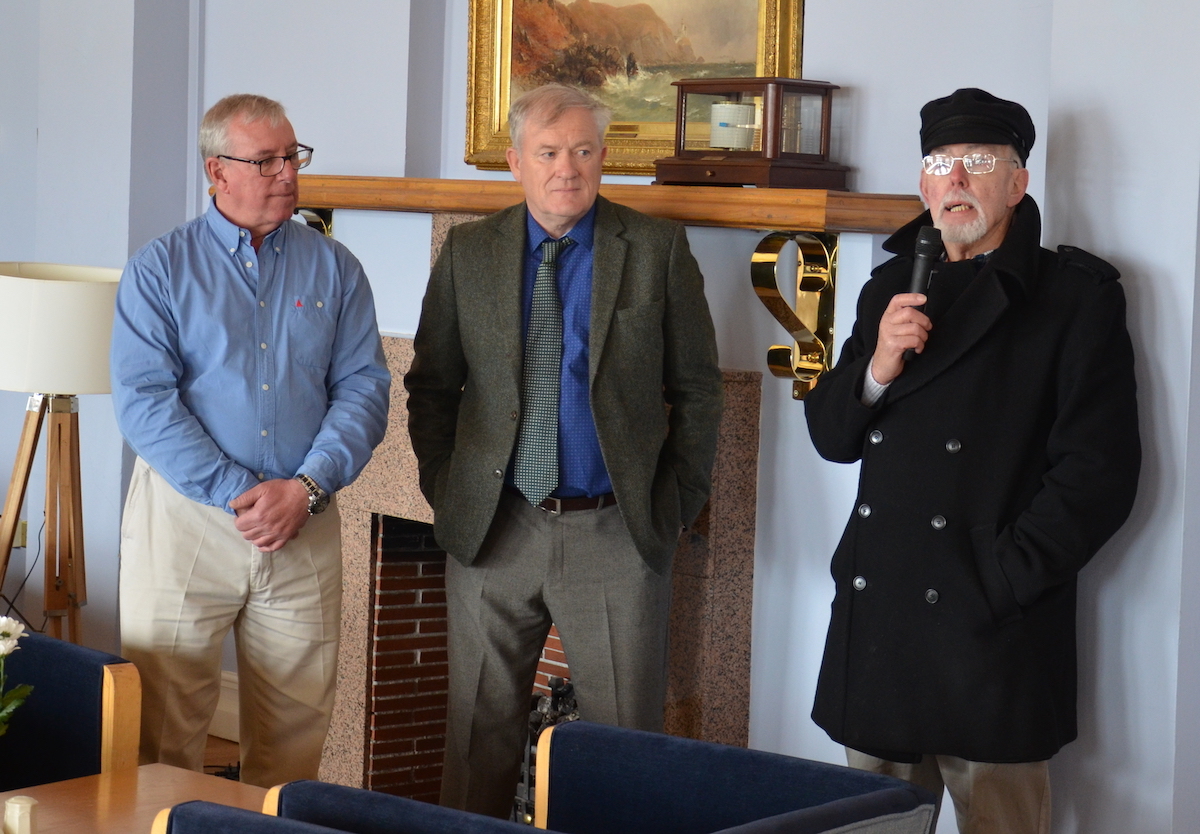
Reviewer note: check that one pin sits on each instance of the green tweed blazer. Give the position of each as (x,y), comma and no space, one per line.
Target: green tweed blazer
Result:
(656,389)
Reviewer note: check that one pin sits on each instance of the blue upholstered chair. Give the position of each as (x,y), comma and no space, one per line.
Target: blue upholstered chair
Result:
(356,811)
(595,779)
(201,817)
(83,718)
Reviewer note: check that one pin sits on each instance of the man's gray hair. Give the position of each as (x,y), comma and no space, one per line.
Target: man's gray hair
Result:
(214,128)
(546,105)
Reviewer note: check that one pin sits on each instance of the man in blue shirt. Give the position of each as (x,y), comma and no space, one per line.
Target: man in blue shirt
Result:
(249,378)
(553,337)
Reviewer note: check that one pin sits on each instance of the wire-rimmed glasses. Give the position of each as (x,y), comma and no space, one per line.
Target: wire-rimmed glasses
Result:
(940,164)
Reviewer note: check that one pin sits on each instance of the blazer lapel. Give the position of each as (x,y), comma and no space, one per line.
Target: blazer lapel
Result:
(500,276)
(608,267)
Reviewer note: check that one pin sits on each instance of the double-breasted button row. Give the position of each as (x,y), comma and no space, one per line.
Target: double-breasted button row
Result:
(953,445)
(860,584)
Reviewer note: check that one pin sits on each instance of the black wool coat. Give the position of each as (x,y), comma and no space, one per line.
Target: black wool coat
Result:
(994,468)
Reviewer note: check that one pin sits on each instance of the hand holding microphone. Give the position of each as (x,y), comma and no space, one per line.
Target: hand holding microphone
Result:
(929,252)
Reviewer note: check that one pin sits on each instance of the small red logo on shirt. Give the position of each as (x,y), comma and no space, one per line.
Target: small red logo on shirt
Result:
(299,303)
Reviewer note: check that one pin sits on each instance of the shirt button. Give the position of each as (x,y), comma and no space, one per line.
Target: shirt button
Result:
(876,437)
(231,251)
(263,345)
(938,522)
(261,476)
(249,264)
(931,596)
(953,446)
(864,510)
(320,303)
(277,249)
(264,432)
(262,304)
(860,583)
(241,234)
(266,387)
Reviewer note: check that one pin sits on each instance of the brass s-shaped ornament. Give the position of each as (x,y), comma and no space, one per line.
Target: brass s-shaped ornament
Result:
(810,321)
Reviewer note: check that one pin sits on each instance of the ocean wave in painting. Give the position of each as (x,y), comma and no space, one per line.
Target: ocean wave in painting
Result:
(649,97)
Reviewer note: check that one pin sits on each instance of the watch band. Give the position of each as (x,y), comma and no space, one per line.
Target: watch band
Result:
(318,499)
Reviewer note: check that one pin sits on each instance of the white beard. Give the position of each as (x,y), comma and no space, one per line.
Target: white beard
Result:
(958,233)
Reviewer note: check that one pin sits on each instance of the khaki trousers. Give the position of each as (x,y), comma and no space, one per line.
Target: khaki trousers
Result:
(580,571)
(187,577)
(988,798)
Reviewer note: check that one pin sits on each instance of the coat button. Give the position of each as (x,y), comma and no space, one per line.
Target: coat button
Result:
(876,437)
(864,510)
(513,415)
(931,596)
(859,583)
(953,446)
(938,522)
(499,473)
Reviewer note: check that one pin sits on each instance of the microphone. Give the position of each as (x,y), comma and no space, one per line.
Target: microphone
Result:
(929,251)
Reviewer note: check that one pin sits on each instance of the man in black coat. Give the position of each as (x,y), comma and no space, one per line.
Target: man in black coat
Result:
(995,416)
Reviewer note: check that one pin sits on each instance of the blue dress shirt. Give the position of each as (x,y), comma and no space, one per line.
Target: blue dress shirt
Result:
(581,469)
(231,366)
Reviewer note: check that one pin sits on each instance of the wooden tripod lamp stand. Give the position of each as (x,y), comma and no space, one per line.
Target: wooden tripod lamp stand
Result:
(57,345)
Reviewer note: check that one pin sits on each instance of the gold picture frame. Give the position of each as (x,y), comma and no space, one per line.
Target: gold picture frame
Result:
(632,145)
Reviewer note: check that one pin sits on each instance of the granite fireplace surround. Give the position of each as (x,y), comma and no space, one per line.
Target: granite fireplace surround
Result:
(708,692)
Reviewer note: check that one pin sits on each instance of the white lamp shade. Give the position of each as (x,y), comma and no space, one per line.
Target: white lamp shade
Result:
(57,327)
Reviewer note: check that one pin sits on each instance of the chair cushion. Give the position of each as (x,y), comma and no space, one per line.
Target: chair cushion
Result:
(210,818)
(368,812)
(58,728)
(605,779)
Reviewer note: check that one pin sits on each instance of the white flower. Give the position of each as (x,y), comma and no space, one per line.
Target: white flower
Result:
(10,632)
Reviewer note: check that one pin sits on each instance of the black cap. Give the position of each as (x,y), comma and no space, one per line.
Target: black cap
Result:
(972,116)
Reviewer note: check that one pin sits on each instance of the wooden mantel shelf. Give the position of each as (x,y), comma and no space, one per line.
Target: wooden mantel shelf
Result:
(784,209)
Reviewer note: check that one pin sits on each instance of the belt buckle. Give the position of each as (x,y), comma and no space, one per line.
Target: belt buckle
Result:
(554,509)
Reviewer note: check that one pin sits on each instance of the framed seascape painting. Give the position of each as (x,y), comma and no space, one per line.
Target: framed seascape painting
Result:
(626,54)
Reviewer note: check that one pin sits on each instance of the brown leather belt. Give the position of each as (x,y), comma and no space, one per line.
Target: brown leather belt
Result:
(555,506)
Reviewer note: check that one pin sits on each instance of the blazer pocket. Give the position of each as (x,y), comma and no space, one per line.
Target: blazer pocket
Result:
(651,310)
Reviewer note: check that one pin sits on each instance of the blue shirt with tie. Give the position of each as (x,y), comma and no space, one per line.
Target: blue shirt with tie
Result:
(581,469)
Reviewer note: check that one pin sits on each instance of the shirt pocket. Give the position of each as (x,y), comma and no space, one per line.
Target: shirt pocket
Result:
(312,324)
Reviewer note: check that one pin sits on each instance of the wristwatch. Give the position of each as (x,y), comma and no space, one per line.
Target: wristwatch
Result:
(318,499)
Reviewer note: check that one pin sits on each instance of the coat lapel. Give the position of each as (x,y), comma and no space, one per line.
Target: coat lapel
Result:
(1005,280)
(608,267)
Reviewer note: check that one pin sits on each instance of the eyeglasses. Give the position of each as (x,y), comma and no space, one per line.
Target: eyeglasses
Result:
(272,165)
(939,164)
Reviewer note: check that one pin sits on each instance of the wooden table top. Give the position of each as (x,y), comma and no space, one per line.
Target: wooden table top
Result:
(126,801)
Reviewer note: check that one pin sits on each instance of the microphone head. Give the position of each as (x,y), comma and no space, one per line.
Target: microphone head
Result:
(929,242)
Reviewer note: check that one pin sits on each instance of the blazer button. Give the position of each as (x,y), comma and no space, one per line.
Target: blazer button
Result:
(953,446)
(513,415)
(876,437)
(864,510)
(938,522)
(499,473)
(859,583)
(931,596)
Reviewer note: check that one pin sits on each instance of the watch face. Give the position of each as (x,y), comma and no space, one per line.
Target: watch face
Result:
(317,503)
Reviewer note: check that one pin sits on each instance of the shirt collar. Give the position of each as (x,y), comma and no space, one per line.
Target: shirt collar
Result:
(231,235)
(582,232)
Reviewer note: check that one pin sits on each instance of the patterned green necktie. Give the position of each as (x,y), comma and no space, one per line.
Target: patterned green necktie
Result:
(535,468)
